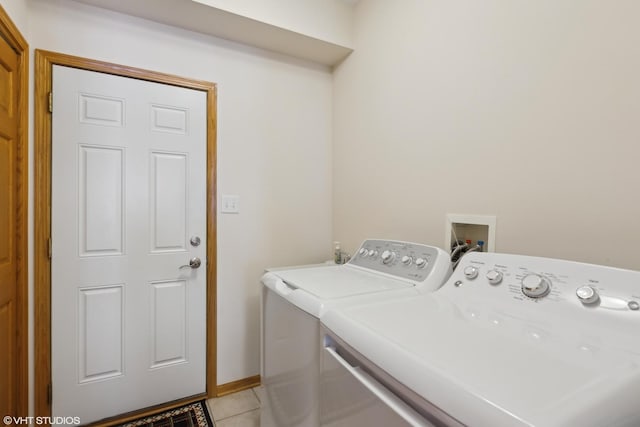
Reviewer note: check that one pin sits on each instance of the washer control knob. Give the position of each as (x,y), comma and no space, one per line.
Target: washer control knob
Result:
(535,286)
(470,272)
(421,262)
(407,260)
(373,253)
(363,252)
(587,295)
(388,257)
(494,277)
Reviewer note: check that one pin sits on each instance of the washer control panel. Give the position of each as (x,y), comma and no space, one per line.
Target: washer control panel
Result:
(546,280)
(406,260)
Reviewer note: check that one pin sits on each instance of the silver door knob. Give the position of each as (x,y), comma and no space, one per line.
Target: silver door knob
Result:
(193,263)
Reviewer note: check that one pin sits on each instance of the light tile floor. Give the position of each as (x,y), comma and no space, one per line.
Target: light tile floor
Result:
(241,409)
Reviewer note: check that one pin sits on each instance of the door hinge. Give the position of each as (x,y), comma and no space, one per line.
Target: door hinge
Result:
(51,102)
(49,393)
(49,248)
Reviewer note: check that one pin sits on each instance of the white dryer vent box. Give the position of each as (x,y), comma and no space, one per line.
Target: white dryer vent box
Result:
(471,227)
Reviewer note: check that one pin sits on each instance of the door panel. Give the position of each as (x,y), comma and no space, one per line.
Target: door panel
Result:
(7,379)
(128,192)
(101,200)
(169,189)
(6,199)
(168,323)
(100,336)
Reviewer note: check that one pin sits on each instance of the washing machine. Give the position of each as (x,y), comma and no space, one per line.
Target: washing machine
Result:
(293,299)
(509,340)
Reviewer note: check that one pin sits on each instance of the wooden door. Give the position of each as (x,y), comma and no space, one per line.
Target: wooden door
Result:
(13,204)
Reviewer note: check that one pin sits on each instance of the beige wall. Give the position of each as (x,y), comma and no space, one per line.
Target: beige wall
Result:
(524,110)
(274,149)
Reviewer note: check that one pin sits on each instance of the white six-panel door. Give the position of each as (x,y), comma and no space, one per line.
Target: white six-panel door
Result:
(128,196)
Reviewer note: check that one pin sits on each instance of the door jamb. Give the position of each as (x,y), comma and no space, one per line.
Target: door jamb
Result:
(14,38)
(44,62)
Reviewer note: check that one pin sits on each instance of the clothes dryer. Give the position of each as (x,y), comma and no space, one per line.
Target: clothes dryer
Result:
(293,300)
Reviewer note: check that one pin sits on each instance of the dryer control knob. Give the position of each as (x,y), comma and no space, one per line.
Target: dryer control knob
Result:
(587,295)
(494,277)
(407,260)
(363,252)
(535,286)
(388,257)
(470,272)
(373,253)
(421,262)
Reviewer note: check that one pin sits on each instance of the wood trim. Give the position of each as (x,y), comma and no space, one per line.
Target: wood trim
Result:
(239,385)
(44,62)
(42,232)
(212,247)
(12,35)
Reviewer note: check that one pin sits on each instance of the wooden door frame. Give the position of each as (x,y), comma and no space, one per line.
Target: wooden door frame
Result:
(12,35)
(44,62)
